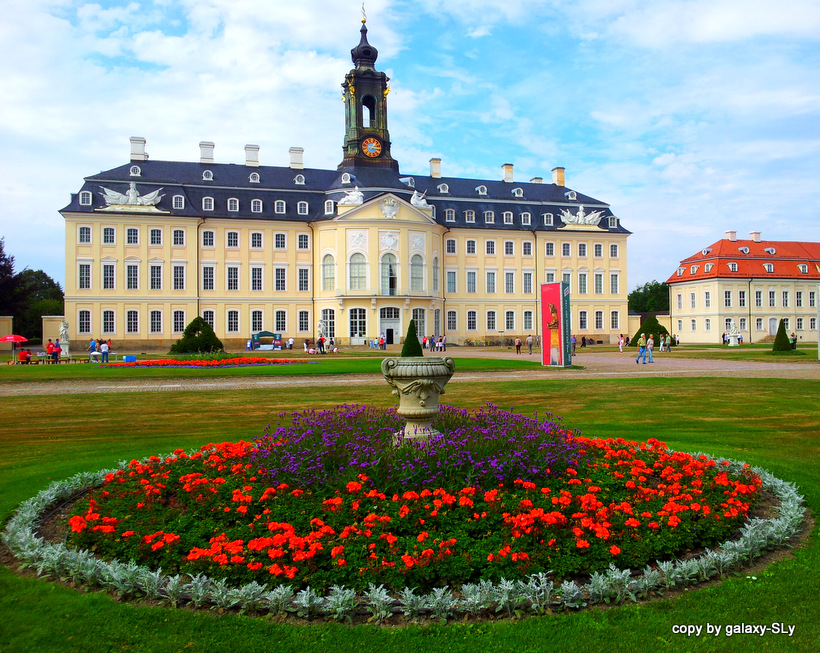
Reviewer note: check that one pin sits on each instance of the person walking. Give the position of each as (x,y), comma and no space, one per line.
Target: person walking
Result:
(650,345)
(104,351)
(92,348)
(641,349)
(517,346)
(621,343)
(574,342)
(529,344)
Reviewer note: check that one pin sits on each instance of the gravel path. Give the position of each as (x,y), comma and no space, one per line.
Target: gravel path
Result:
(596,366)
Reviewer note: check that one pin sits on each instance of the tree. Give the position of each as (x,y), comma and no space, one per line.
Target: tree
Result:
(650,325)
(6,280)
(652,297)
(198,337)
(412,346)
(781,340)
(35,294)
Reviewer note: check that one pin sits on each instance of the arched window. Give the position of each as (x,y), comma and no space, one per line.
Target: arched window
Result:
(358,272)
(302,208)
(328,207)
(416,272)
(328,272)
(233,204)
(418,318)
(256,206)
(254,179)
(207,175)
(207,203)
(368,111)
(389,275)
(279,206)
(435,274)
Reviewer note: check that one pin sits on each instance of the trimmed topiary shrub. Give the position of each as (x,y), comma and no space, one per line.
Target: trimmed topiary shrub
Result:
(412,346)
(781,340)
(198,337)
(650,325)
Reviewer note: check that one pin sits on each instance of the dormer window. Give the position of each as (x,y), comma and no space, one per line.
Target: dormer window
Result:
(693,269)
(450,215)
(548,219)
(769,267)
(302,208)
(469,216)
(508,217)
(207,203)
(179,202)
(233,204)
(613,222)
(329,207)
(279,207)
(770,250)
(135,171)
(743,250)
(571,195)
(518,192)
(732,267)
(706,250)
(207,175)
(680,271)
(85,198)
(410,182)
(526,218)
(256,206)
(489,216)
(299,180)
(254,178)
(346,178)
(708,267)
(443,189)
(481,190)
(804,269)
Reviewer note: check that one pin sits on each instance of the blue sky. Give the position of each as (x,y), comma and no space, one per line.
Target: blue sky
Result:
(689,117)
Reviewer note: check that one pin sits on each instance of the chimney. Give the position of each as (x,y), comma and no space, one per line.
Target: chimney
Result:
(206,152)
(435,168)
(138,149)
(537,180)
(507,172)
(754,236)
(252,156)
(731,236)
(558,176)
(296,158)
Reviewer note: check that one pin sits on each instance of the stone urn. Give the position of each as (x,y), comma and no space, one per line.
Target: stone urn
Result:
(417,381)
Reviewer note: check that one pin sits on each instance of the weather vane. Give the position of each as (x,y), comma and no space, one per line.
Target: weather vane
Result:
(364,14)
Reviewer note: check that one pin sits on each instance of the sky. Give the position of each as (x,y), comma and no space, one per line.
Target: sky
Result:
(688,117)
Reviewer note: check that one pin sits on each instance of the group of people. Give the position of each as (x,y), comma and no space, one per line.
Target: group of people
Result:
(53,351)
(323,346)
(433,344)
(647,345)
(519,344)
(99,348)
(24,357)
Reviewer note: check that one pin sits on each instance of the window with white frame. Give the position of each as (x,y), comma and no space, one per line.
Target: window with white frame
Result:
(279,241)
(207,203)
(727,298)
(155,274)
(451,281)
(489,248)
(280,279)
(108,235)
(489,216)
(582,283)
(772,299)
(509,321)
(691,300)
(769,267)
(548,219)
(304,321)
(566,277)
(599,320)
(471,281)
(208,277)
(84,321)
(179,277)
(598,250)
(613,250)
(785,299)
(329,207)
(132,236)
(178,238)
(707,299)
(786,323)
(178,202)
(680,325)
(693,325)
(707,324)
(471,248)
(527,282)
(614,283)
(303,242)
(303,279)
(233,277)
(528,320)
(509,282)
(279,207)
(179,321)
(759,324)
(329,319)
(302,208)
(156,237)
(469,216)
(253,178)
(108,276)
(256,321)
(812,324)
(727,324)
(357,276)
(416,272)
(85,198)
(758,298)
(328,272)
(232,239)
(509,248)
(508,217)
(614,320)
(566,249)
(526,218)
(613,222)
(582,249)
(799,323)
(256,240)
(108,321)
(450,246)
(798,298)
(472,320)
(256,206)
(732,267)
(679,301)
(452,320)
(490,282)
(84,235)
(207,175)
(256,278)
(450,215)
(549,249)
(598,280)
(741,298)
(208,238)
(155,321)
(435,274)
(233,321)
(491,325)
(132,321)
(742,324)
(132,276)
(583,322)
(526,248)
(812,298)
(210,318)
(419,317)
(84,275)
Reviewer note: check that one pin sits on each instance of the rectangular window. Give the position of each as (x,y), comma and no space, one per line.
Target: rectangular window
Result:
(741,298)
(583,323)
(304,279)
(108,235)
(549,249)
(812,299)
(680,302)
(490,320)
(450,246)
(489,248)
(727,298)
(233,278)
(471,282)
(419,316)
(279,241)
(256,321)
(614,284)
(179,321)
(132,322)
(179,238)
(758,299)
(469,216)
(233,321)
(759,323)
(471,247)
(279,279)
(527,277)
(707,324)
(509,321)
(108,321)
(232,239)
(84,319)
(491,282)
(798,298)
(156,277)
(566,277)
(785,299)
(613,251)
(304,321)
(108,276)
(742,324)
(549,277)
(208,277)
(799,323)
(693,325)
(812,323)
(451,281)
(614,320)
(472,320)
(707,299)
(303,241)
(256,240)
(599,283)
(691,300)
(85,235)
(132,277)
(786,323)
(566,249)
(526,248)
(156,321)
(599,250)
(509,282)
(772,299)
(599,320)
(179,277)
(582,249)
(527,320)
(489,216)
(509,248)
(132,236)
(208,316)
(329,318)
(156,238)
(452,320)
(358,323)
(582,283)
(207,238)
(85,276)
(256,278)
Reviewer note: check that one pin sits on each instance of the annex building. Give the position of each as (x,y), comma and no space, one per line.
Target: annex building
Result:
(752,282)
(349,253)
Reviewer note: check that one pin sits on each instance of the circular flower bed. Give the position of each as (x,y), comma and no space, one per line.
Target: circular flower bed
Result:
(239,361)
(326,503)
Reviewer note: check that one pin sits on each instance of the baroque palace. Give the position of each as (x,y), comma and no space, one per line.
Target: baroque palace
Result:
(349,253)
(751,284)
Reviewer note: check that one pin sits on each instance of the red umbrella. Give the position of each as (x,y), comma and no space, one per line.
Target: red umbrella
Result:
(13,338)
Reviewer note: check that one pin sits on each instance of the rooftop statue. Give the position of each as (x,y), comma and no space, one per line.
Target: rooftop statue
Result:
(581,217)
(131,197)
(352,197)
(418,200)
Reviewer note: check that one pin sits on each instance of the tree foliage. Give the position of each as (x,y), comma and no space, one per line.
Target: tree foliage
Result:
(650,325)
(651,297)
(198,337)
(781,340)
(412,346)
(6,280)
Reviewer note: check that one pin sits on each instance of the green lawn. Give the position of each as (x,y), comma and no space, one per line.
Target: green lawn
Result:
(772,423)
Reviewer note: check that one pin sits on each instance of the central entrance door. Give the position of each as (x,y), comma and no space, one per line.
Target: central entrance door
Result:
(390,323)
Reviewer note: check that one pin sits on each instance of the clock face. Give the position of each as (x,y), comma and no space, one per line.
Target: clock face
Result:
(371,147)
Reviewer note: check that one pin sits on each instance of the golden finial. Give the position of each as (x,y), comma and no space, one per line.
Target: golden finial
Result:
(364,14)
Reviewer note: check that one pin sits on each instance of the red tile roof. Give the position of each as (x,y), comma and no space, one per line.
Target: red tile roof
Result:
(750,258)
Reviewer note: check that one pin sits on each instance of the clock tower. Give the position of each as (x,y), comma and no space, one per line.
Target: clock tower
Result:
(367,141)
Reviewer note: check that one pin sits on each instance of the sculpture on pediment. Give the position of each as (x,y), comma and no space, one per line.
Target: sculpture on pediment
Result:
(131,197)
(418,200)
(352,197)
(390,207)
(581,217)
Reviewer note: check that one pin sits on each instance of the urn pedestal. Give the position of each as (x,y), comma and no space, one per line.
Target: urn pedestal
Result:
(417,382)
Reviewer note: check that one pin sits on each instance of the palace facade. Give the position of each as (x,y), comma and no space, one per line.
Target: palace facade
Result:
(754,283)
(349,253)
